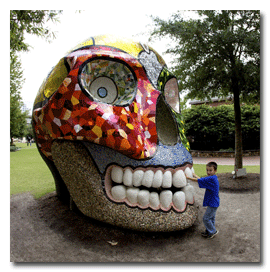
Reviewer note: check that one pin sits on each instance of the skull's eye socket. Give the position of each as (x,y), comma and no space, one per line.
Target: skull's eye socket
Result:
(108,81)
(167,84)
(171,94)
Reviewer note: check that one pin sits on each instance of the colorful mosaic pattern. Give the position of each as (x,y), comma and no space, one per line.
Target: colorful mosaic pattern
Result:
(129,46)
(66,108)
(51,83)
(72,115)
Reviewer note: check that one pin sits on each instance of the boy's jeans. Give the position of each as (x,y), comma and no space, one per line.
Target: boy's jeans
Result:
(209,219)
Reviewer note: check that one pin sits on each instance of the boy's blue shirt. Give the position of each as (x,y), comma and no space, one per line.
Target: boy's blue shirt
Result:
(211,196)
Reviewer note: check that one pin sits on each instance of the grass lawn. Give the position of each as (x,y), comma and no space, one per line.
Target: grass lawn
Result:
(200,169)
(29,173)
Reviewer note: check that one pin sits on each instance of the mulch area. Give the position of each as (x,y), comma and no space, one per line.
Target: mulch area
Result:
(248,183)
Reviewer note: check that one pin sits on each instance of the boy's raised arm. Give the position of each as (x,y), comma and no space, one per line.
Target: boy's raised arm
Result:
(195,177)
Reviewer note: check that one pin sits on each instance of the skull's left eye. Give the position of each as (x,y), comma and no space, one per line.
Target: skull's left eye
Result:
(108,81)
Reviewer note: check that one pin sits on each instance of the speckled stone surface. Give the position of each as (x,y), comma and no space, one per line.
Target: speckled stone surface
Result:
(85,186)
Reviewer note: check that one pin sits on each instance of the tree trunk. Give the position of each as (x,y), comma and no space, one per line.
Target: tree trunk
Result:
(238,131)
(238,163)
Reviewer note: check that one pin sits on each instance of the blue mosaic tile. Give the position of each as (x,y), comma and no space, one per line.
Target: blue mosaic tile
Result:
(166,156)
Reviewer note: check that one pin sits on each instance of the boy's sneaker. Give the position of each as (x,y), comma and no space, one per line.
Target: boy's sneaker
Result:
(210,236)
(205,233)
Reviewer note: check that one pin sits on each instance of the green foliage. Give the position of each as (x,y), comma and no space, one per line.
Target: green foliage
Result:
(181,127)
(213,127)
(251,127)
(22,22)
(215,53)
(31,22)
(17,117)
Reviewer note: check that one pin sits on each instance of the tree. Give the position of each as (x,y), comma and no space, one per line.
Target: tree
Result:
(17,117)
(31,22)
(217,55)
(21,22)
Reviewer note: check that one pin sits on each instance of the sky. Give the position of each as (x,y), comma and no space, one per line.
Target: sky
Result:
(133,21)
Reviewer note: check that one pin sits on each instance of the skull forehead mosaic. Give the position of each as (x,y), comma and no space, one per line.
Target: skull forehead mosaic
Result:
(108,124)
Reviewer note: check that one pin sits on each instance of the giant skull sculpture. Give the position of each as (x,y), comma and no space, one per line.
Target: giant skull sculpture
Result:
(107,123)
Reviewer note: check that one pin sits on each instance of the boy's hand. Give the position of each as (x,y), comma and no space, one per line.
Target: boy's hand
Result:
(194,179)
(195,176)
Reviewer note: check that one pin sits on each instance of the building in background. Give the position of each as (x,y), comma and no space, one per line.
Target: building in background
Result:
(215,101)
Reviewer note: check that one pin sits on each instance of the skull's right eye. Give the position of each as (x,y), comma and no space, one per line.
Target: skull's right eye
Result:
(167,84)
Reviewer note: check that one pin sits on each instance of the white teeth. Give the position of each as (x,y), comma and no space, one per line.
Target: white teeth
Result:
(154,199)
(179,179)
(117,174)
(189,193)
(132,195)
(118,192)
(143,197)
(179,200)
(188,172)
(128,181)
(148,178)
(166,199)
(151,179)
(157,180)
(127,178)
(137,178)
(167,180)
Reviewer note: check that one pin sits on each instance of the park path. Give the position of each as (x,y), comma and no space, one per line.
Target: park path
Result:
(252,160)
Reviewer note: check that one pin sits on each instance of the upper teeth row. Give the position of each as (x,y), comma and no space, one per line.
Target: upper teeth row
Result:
(149,178)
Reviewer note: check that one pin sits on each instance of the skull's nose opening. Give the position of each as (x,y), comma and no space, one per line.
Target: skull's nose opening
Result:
(167,128)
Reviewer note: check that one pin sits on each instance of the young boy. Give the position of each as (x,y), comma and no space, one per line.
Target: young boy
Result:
(211,198)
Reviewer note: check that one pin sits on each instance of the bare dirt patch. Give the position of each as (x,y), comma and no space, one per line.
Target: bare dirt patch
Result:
(46,230)
(245,184)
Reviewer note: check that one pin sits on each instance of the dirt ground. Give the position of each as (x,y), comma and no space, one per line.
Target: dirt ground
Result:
(45,230)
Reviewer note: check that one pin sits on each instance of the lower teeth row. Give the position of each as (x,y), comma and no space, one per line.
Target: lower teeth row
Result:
(144,199)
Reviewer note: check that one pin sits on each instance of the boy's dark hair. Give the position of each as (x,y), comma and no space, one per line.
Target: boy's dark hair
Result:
(212,164)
